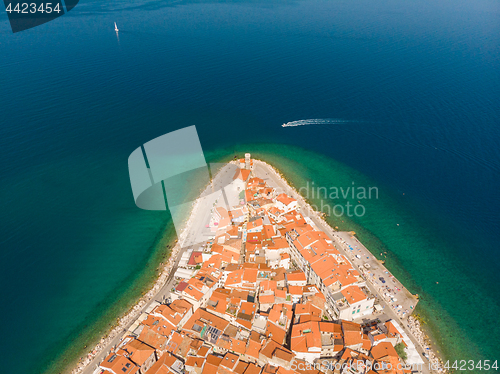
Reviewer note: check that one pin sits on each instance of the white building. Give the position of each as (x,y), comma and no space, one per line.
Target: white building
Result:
(285,203)
(353,303)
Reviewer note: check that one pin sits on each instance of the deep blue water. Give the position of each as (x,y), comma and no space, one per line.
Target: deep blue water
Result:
(418,81)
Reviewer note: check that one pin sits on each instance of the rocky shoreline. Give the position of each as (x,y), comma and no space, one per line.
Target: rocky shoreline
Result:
(134,313)
(415,327)
(413,324)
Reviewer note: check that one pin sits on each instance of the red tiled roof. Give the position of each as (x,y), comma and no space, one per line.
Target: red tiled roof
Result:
(181,286)
(266,299)
(195,259)
(285,199)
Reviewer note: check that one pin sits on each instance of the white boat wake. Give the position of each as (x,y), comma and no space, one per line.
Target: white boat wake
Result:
(406,140)
(318,121)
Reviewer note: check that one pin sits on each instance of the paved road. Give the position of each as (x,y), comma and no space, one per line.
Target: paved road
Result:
(219,193)
(393,292)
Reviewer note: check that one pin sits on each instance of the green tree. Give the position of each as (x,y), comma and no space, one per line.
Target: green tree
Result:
(400,350)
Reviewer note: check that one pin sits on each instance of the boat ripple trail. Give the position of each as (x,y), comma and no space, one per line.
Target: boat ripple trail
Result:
(406,139)
(318,121)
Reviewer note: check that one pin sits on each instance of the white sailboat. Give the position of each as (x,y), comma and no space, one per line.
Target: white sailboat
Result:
(116,27)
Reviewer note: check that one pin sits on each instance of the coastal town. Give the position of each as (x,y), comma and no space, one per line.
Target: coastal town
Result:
(272,289)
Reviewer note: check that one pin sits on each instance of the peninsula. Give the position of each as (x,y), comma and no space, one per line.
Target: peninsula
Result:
(272,290)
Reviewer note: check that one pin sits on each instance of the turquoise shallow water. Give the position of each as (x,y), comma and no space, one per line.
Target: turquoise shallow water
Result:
(416,83)
(410,236)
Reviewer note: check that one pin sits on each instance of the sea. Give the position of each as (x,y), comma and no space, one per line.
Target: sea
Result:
(400,96)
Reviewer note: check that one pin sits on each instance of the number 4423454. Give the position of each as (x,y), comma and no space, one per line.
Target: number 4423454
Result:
(26,8)
(466,365)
